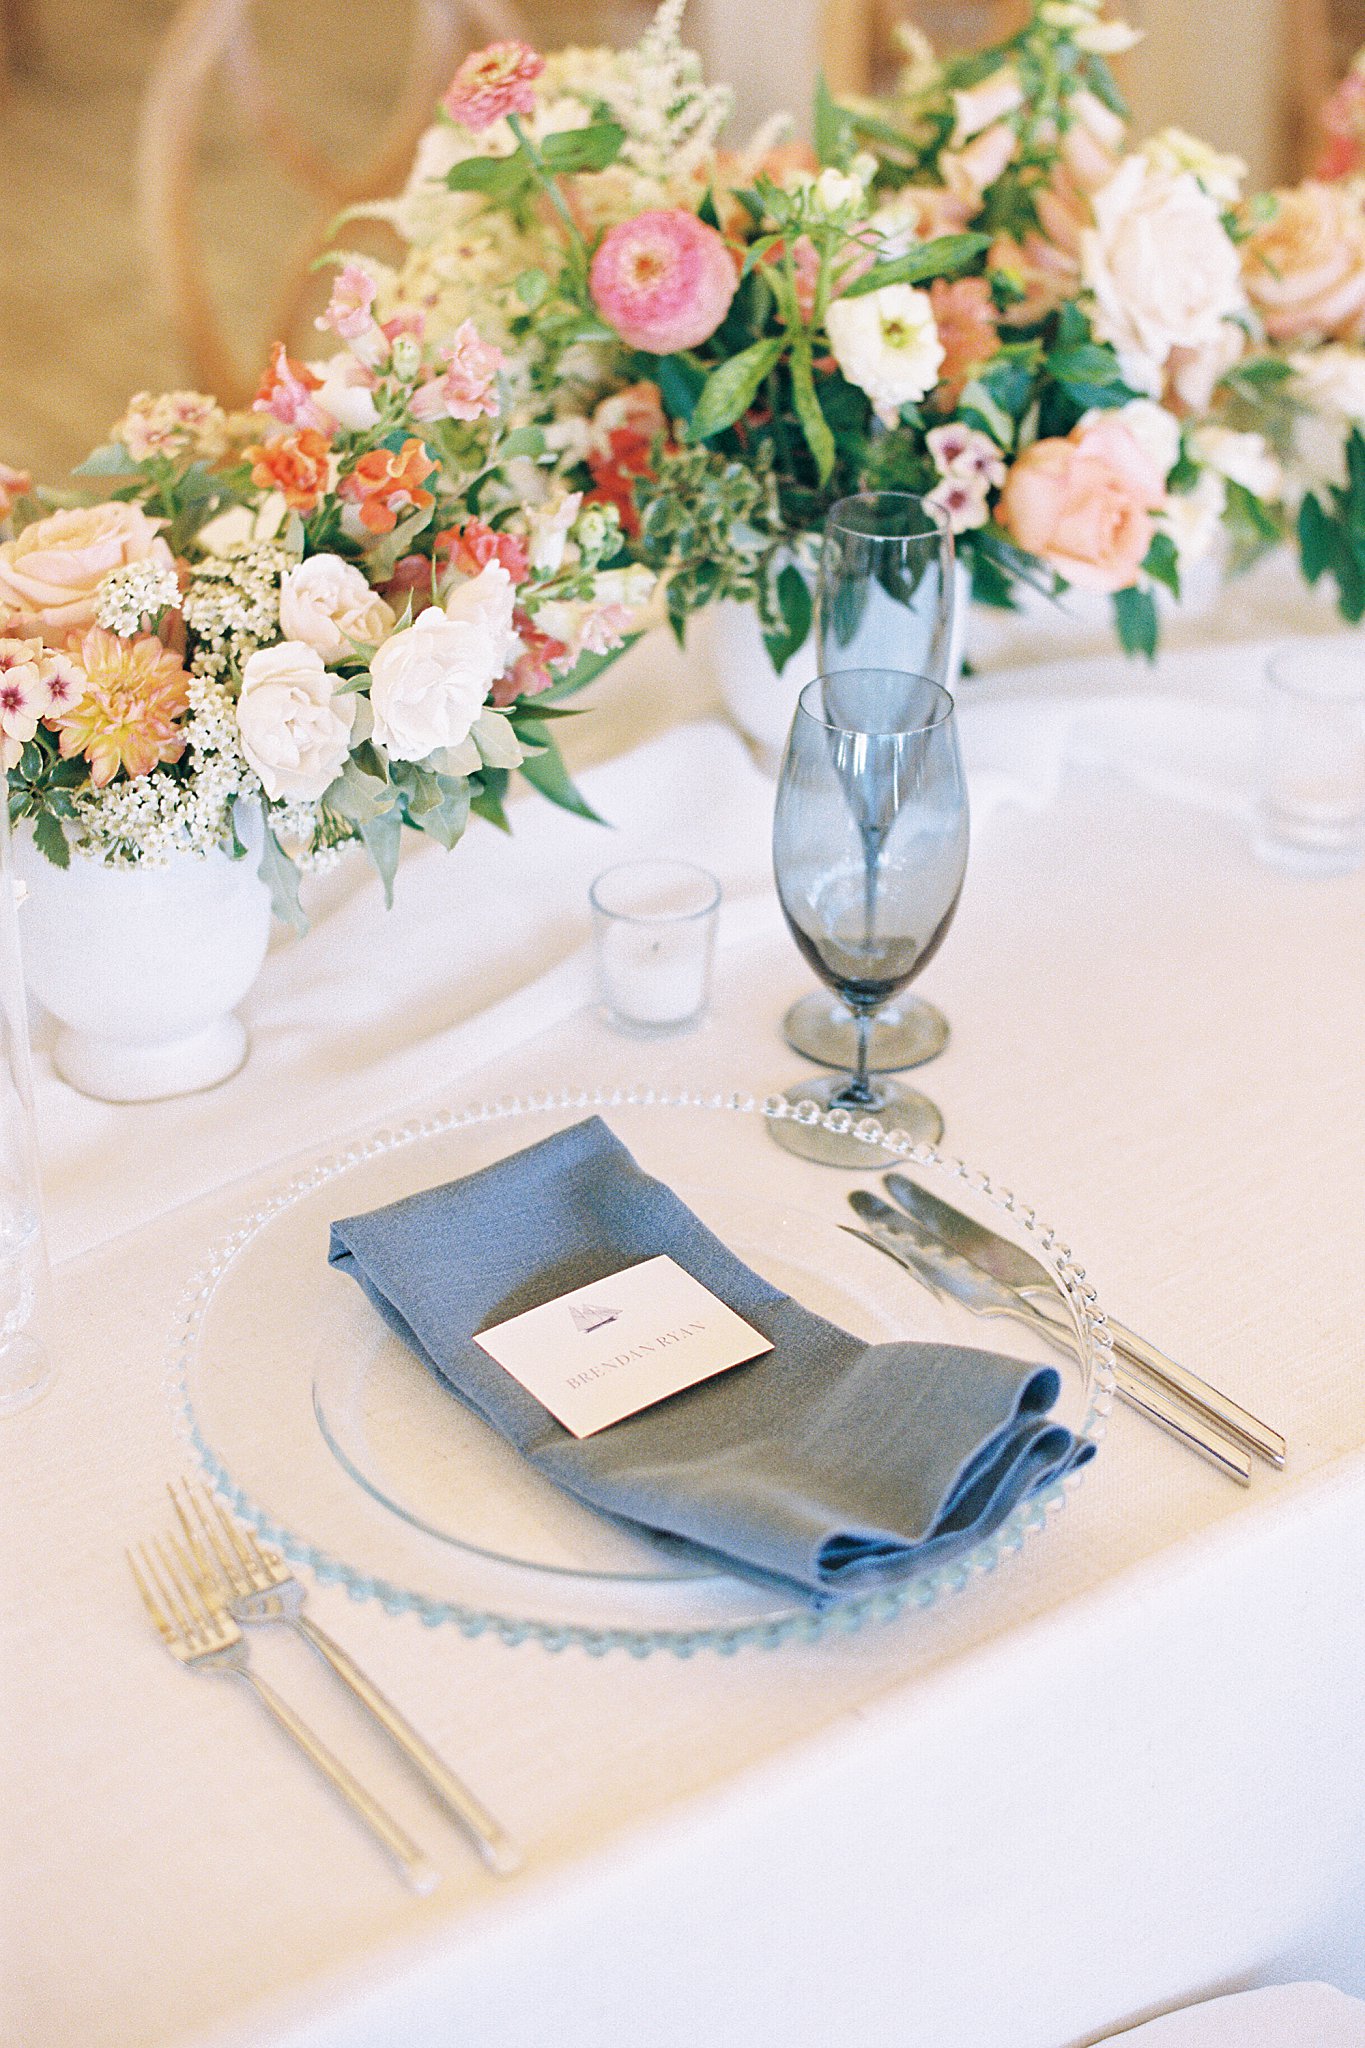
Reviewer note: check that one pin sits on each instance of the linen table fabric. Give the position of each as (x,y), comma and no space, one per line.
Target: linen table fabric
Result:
(824,1461)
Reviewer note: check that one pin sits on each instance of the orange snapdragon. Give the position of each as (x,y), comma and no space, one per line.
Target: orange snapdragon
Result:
(296,465)
(384,485)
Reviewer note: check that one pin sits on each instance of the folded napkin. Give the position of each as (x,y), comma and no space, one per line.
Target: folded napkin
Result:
(826,1461)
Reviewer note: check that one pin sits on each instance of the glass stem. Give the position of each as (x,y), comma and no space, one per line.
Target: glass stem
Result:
(860,1089)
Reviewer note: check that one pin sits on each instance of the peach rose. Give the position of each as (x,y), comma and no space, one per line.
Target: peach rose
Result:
(52,572)
(1305,269)
(1084,505)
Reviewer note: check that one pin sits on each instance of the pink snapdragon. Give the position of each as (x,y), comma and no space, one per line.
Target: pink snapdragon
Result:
(473,544)
(663,280)
(286,393)
(468,387)
(493,83)
(605,628)
(350,314)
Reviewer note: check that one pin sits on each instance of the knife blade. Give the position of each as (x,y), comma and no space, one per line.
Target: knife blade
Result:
(985,1296)
(1017,1268)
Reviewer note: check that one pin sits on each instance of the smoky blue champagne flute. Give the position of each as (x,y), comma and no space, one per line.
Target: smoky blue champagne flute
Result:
(870,839)
(885,599)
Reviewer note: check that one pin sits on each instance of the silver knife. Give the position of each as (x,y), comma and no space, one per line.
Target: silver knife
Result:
(950,1275)
(1028,1276)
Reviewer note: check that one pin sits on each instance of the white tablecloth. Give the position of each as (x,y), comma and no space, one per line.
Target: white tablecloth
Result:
(1127,1770)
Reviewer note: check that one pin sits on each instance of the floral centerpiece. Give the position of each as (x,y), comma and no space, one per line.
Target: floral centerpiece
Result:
(1095,359)
(336,607)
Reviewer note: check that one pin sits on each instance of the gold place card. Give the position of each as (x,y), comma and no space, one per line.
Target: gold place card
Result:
(605,1351)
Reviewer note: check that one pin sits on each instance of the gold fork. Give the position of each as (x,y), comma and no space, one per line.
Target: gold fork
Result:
(256,1585)
(200,1633)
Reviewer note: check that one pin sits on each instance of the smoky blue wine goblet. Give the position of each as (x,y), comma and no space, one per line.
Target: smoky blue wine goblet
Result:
(870,840)
(885,599)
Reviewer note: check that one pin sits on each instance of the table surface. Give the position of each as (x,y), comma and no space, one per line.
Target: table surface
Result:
(1109,1776)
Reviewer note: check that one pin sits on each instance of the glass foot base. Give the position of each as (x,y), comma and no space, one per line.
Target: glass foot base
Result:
(899,1109)
(904,1034)
(25,1373)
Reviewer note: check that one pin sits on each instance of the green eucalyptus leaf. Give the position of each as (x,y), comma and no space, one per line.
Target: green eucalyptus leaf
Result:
(794,606)
(112,459)
(1162,562)
(486,797)
(383,837)
(833,127)
(521,441)
(382,559)
(281,877)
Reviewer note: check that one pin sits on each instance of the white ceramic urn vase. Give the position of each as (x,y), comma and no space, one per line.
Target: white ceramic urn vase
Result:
(761,702)
(143,967)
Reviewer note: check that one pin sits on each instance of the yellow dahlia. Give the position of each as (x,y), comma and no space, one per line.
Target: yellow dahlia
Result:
(136,692)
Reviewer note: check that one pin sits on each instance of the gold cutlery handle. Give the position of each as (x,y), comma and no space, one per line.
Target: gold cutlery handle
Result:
(417,1869)
(494,1844)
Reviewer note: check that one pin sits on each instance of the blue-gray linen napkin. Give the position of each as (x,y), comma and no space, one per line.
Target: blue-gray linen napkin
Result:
(826,1461)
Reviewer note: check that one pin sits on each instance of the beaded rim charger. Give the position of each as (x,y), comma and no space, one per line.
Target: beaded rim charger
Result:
(472,1610)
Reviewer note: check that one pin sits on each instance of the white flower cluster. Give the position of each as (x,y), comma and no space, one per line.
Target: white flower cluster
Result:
(129,598)
(672,118)
(147,821)
(232,606)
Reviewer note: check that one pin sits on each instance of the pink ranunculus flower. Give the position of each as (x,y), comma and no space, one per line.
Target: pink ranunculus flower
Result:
(663,280)
(1084,505)
(1305,268)
(468,386)
(53,571)
(493,83)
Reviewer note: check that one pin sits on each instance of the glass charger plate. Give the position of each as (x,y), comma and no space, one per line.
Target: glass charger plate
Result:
(340,1447)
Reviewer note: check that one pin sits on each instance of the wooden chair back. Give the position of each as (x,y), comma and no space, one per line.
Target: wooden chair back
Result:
(211,40)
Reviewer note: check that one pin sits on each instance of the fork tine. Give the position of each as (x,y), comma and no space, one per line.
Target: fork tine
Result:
(202,1562)
(258,1578)
(181,1571)
(149,1600)
(228,1567)
(181,1621)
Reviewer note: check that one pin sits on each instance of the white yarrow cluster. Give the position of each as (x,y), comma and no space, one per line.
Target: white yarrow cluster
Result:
(233,604)
(130,597)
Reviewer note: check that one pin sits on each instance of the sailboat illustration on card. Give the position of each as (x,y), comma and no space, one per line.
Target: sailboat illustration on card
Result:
(586,1317)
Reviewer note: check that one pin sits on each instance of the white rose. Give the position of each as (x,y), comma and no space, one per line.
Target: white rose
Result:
(428,685)
(1156,431)
(886,343)
(1331,380)
(1193,518)
(346,392)
(488,601)
(296,730)
(1222,177)
(1242,458)
(327,604)
(1163,269)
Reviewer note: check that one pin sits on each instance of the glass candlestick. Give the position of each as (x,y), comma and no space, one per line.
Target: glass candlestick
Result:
(25,1369)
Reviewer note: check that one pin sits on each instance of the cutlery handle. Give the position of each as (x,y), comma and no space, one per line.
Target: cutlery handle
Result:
(1182,1422)
(1256,1435)
(494,1844)
(417,1869)
(1178,1380)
